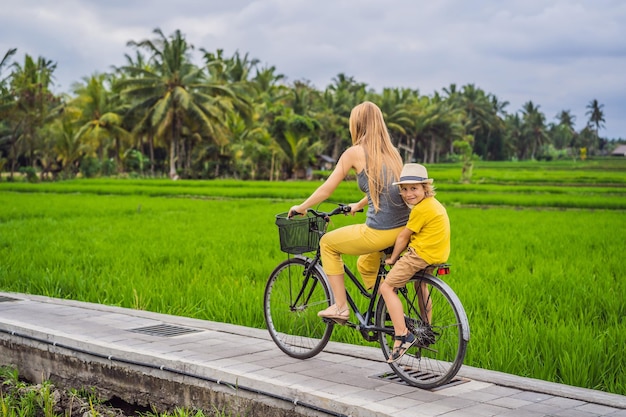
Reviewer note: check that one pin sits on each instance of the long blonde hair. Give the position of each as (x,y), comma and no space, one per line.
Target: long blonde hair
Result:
(368,129)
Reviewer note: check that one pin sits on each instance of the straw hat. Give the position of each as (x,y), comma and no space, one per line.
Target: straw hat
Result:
(414,174)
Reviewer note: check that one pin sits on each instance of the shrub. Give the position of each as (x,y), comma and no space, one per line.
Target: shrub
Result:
(89,167)
(30,173)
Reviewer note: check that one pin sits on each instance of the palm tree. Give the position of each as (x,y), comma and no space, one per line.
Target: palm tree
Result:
(134,117)
(441,126)
(337,101)
(293,141)
(513,136)
(566,118)
(481,116)
(393,104)
(303,97)
(451,92)
(496,132)
(269,87)
(268,103)
(6,103)
(596,116)
(68,146)
(175,94)
(235,72)
(30,104)
(100,120)
(534,130)
(3,63)
(250,147)
(244,120)
(564,133)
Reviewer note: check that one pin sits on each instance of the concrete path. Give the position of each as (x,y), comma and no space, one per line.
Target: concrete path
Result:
(344,380)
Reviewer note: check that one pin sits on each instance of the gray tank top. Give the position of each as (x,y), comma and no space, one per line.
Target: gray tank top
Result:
(393,212)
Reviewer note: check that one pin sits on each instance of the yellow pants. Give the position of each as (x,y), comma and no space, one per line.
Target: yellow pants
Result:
(357,239)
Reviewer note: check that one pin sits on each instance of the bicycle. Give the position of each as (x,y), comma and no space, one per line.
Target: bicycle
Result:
(298,288)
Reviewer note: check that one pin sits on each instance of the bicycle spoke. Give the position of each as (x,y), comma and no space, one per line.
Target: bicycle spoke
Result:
(291,303)
(434,319)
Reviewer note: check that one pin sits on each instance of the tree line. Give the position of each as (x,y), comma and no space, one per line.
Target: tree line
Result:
(161,114)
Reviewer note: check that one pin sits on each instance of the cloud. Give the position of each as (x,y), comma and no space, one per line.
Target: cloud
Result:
(559,54)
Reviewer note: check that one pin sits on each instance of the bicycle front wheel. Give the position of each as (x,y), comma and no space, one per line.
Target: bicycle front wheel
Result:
(435,315)
(293,295)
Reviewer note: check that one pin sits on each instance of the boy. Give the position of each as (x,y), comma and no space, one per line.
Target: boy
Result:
(427,234)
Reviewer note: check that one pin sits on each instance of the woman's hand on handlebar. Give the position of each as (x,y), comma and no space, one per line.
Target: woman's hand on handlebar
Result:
(346,209)
(296,211)
(354,208)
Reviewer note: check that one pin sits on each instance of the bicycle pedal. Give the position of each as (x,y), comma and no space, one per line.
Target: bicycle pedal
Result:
(333,321)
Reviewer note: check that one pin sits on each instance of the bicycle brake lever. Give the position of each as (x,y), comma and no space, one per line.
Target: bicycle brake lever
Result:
(345,209)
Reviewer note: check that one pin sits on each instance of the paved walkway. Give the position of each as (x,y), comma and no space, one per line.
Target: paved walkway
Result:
(343,380)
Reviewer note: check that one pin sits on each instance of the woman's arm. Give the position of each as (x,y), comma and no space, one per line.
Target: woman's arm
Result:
(344,165)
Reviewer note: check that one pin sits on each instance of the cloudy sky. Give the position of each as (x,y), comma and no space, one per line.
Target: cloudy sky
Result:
(558,54)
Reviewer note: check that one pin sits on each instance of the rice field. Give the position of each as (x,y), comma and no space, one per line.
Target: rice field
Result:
(538,265)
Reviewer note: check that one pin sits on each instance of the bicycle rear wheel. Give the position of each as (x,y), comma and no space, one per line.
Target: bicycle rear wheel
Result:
(441,328)
(291,301)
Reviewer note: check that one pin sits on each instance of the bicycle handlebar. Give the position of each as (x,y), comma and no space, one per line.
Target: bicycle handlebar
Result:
(340,209)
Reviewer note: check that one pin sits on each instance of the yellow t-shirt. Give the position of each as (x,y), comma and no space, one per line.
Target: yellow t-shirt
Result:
(430,225)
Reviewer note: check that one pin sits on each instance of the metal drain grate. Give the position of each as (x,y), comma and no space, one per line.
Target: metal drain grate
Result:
(392,377)
(3,298)
(164,330)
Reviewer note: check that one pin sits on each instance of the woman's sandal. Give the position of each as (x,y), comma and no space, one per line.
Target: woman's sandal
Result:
(406,341)
(333,313)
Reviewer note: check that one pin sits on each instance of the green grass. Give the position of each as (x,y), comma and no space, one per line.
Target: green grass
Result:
(21,399)
(600,197)
(563,184)
(543,285)
(609,171)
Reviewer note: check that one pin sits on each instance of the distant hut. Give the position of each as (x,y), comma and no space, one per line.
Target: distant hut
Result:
(619,151)
(325,162)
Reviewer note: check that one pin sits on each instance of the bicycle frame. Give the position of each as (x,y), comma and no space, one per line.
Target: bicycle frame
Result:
(365,321)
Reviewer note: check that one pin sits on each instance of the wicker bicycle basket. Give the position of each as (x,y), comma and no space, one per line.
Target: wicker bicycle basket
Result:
(299,234)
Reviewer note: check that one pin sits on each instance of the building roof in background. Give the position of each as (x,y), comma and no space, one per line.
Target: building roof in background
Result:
(620,150)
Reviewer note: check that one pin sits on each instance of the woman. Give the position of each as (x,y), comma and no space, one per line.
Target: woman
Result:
(377,164)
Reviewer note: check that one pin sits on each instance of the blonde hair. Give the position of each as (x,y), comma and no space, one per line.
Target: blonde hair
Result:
(429,190)
(368,129)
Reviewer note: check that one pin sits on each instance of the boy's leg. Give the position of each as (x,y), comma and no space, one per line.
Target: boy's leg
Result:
(399,275)
(394,308)
(403,339)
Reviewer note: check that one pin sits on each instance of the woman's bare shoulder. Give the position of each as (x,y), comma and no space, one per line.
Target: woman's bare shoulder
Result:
(355,155)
